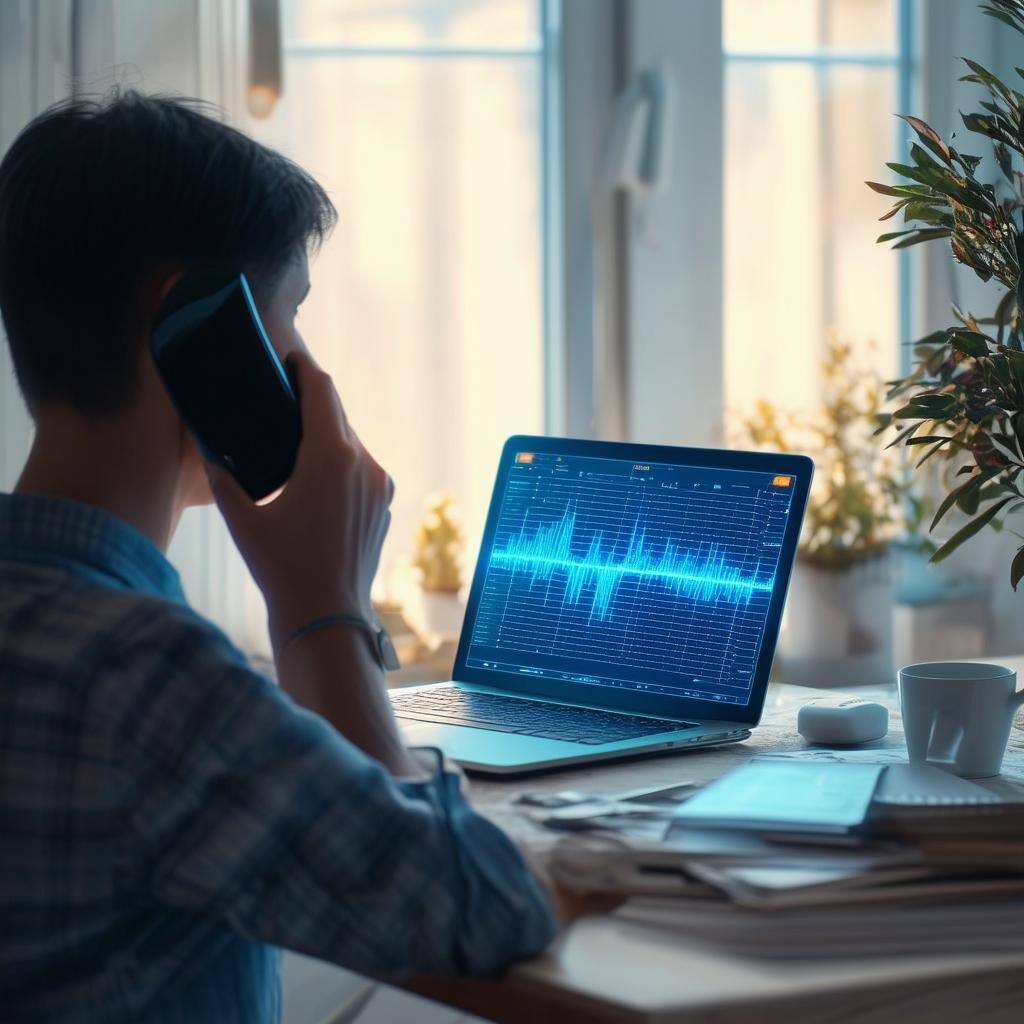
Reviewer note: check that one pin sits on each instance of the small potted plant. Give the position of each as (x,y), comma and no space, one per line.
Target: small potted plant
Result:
(963,402)
(838,627)
(431,602)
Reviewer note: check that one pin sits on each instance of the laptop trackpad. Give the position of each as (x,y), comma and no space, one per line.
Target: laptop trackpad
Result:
(417,734)
(480,746)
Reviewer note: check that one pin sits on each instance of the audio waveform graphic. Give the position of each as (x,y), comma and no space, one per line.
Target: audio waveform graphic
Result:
(702,576)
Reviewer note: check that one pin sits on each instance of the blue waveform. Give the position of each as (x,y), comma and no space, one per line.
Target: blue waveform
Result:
(702,576)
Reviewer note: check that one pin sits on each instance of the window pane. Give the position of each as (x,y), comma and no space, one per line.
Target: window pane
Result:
(800,224)
(766,26)
(861,137)
(489,24)
(425,302)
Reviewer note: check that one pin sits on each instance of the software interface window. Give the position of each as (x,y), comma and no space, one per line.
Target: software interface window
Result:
(643,576)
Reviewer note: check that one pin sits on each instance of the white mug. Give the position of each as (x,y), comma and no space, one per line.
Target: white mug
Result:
(957,715)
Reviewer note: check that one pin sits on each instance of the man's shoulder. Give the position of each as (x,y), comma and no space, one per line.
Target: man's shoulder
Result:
(123,668)
(51,617)
(47,597)
(167,679)
(142,624)
(116,625)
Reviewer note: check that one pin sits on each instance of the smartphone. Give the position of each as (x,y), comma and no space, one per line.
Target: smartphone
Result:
(226,381)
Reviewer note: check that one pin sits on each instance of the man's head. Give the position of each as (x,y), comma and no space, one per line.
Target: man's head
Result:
(102,203)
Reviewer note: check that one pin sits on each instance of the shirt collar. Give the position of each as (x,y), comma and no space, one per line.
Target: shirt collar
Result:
(40,529)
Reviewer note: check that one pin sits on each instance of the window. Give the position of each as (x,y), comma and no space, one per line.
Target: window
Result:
(423,119)
(810,90)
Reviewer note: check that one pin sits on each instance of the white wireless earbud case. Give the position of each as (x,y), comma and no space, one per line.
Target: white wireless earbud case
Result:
(842,720)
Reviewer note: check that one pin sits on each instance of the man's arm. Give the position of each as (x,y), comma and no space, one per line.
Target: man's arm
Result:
(335,673)
(314,551)
(244,809)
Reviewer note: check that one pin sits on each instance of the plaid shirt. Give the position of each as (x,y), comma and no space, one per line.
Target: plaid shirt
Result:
(168,816)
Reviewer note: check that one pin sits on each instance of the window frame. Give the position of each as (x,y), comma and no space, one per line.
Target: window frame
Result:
(690,351)
(905,63)
(547,52)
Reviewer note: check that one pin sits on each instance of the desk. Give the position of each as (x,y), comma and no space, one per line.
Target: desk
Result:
(604,969)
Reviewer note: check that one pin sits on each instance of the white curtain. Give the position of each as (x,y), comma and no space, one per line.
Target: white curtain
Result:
(49,50)
(35,70)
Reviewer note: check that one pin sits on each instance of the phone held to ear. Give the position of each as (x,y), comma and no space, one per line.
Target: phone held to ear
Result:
(226,381)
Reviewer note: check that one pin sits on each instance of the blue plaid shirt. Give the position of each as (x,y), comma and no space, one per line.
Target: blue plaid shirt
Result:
(168,816)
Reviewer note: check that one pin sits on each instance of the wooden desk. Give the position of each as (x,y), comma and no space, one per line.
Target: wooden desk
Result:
(604,969)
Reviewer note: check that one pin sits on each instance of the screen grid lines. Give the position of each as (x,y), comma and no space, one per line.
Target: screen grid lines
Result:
(651,577)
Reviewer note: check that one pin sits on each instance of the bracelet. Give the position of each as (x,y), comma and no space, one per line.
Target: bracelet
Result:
(383,648)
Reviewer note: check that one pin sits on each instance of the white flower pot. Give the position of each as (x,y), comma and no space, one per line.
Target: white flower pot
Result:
(837,630)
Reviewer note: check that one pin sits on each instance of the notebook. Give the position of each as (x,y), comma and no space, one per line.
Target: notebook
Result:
(923,785)
(774,796)
(917,799)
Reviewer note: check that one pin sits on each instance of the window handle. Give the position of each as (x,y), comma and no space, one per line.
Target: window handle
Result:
(263,89)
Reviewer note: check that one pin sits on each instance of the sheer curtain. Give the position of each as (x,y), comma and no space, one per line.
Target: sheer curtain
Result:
(190,48)
(811,87)
(422,119)
(35,70)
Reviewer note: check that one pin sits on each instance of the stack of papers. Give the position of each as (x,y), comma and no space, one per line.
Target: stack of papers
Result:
(972,927)
(783,858)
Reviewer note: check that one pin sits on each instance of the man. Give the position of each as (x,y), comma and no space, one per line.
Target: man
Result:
(167,815)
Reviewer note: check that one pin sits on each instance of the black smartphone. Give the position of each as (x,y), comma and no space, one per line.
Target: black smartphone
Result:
(227,382)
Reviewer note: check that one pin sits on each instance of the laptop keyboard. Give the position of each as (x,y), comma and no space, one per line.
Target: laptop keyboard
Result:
(452,706)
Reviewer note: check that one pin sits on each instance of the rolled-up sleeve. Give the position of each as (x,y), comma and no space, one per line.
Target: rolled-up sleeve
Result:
(254,812)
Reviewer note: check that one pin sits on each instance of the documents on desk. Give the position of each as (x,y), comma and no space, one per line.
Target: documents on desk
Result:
(929,862)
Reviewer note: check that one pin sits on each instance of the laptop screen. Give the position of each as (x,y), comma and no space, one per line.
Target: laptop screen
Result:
(640,576)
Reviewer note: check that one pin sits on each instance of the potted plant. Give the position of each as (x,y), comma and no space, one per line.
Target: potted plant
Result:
(838,628)
(430,598)
(963,401)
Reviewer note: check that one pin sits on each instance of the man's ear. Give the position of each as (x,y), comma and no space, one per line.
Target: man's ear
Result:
(170,280)
(166,279)
(155,289)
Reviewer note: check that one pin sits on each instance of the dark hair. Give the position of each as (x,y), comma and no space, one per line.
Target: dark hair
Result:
(97,195)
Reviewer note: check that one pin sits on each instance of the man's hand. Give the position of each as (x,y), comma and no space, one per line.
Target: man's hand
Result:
(313,550)
(570,904)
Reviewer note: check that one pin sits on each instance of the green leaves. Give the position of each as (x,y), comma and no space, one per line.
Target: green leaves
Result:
(924,235)
(964,494)
(990,126)
(963,400)
(971,343)
(901,191)
(1004,160)
(885,190)
(948,183)
(929,137)
(1017,568)
(1009,12)
(968,531)
(927,407)
(894,234)
(983,76)
(1020,271)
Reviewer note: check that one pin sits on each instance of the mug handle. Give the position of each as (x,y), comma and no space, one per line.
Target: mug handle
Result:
(947,733)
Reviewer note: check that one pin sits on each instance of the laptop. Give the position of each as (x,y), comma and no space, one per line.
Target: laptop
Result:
(626,600)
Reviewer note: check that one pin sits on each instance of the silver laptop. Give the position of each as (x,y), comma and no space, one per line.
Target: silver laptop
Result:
(626,600)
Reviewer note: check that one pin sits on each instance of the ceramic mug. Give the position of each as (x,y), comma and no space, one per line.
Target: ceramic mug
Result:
(957,715)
